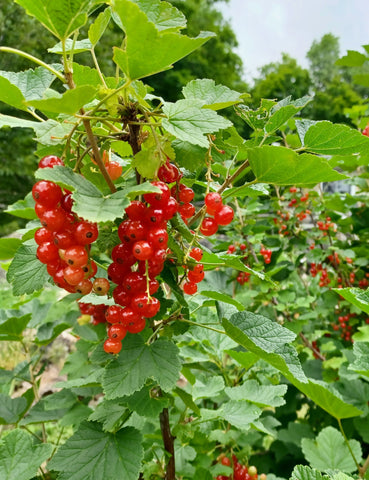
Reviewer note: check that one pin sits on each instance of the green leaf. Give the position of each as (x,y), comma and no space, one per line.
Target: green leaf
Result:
(361,363)
(352,59)
(148,51)
(110,413)
(146,405)
(190,123)
(207,387)
(77,47)
(269,340)
(187,400)
(11,409)
(302,127)
(356,296)
(240,413)
(246,191)
(137,362)
(97,29)
(11,94)
(8,247)
(69,102)
(329,451)
(93,454)
(23,208)
(283,111)
(210,95)
(191,157)
(164,15)
(262,395)
(31,83)
(26,273)
(38,414)
(12,324)
(15,122)
(19,457)
(282,166)
(327,138)
(303,472)
(222,297)
(147,162)
(63,17)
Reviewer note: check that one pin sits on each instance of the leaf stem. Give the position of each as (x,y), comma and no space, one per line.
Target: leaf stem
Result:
(203,326)
(34,60)
(98,67)
(348,444)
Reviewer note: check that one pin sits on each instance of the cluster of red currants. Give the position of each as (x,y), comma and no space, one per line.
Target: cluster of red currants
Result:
(219,214)
(344,326)
(232,248)
(366,131)
(97,312)
(243,277)
(64,239)
(240,472)
(267,254)
(324,226)
(281,222)
(324,280)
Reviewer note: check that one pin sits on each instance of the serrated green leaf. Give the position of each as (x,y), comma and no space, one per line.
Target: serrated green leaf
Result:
(63,17)
(303,472)
(190,123)
(110,413)
(31,83)
(146,405)
(246,359)
(246,191)
(15,122)
(352,59)
(222,297)
(207,387)
(164,15)
(8,247)
(361,363)
(329,451)
(51,132)
(262,395)
(137,362)
(97,29)
(69,102)
(327,138)
(356,296)
(147,162)
(26,273)
(148,51)
(240,413)
(283,111)
(11,409)
(63,399)
(282,166)
(12,324)
(211,95)
(23,208)
(11,94)
(38,414)
(19,457)
(187,400)
(77,47)
(267,339)
(191,157)
(93,454)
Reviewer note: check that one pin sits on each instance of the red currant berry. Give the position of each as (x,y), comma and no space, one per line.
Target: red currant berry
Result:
(153,286)
(40,209)
(117,272)
(158,200)
(52,268)
(42,235)
(196,253)
(47,193)
(86,233)
(186,195)
(112,345)
(159,256)
(129,317)
(152,308)
(114,170)
(158,238)
(154,217)
(186,210)
(208,226)
(47,253)
(54,220)
(168,173)
(64,239)
(224,216)
(121,297)
(171,208)
(137,327)
(101,286)
(67,202)
(123,255)
(76,256)
(84,287)
(139,303)
(114,314)
(189,288)
(142,250)
(73,275)
(50,161)
(117,331)
(134,283)
(213,201)
(196,277)
(135,210)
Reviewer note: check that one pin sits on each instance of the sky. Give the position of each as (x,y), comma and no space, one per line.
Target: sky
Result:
(266,28)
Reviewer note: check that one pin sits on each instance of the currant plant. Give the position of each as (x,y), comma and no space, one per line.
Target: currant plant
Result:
(210,288)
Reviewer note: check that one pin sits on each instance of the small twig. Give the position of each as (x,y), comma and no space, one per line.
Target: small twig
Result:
(311,346)
(364,468)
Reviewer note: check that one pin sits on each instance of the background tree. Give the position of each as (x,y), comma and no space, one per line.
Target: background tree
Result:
(322,57)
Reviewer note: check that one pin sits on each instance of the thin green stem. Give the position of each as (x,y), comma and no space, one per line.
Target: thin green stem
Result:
(203,326)
(34,60)
(98,67)
(348,444)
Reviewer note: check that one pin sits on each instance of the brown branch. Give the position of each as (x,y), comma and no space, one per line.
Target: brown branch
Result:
(168,441)
(311,346)
(364,468)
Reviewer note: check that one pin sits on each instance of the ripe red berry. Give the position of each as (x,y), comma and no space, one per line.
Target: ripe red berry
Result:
(134,283)
(139,303)
(67,202)
(156,199)
(152,308)
(54,220)
(47,193)
(135,210)
(112,345)
(101,286)
(137,327)
(76,256)
(189,288)
(117,331)
(114,170)
(168,173)
(213,201)
(64,239)
(73,275)
(170,209)
(154,217)
(84,287)
(47,253)
(196,253)
(86,233)
(121,297)
(130,317)
(114,314)
(117,272)
(195,277)
(158,238)
(50,161)
(142,250)
(208,226)
(42,235)
(186,210)
(224,216)
(186,195)
(123,255)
